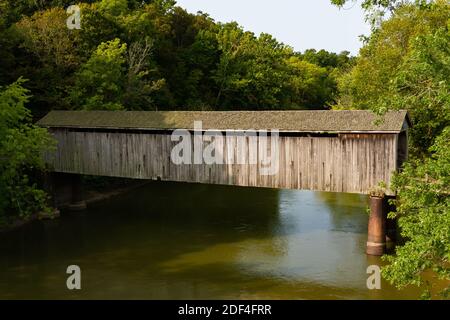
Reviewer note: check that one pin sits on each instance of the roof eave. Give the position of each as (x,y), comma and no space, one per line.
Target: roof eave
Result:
(220,130)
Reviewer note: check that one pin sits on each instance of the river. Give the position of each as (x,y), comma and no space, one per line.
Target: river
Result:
(186,241)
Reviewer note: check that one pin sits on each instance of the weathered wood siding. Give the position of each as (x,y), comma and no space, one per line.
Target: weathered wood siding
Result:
(352,163)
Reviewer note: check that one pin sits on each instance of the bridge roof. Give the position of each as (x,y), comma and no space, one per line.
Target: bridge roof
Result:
(286,121)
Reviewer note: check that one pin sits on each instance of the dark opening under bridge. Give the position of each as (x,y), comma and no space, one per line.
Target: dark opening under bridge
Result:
(336,151)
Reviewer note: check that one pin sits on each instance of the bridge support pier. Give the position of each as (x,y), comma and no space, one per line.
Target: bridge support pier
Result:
(77,202)
(376,238)
(65,190)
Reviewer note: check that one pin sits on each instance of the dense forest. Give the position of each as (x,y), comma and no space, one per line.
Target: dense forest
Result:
(153,55)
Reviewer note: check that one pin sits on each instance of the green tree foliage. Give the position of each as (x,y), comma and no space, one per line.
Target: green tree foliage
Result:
(187,56)
(388,4)
(141,84)
(423,209)
(171,60)
(21,152)
(309,84)
(251,71)
(327,59)
(97,26)
(422,86)
(423,185)
(257,72)
(99,84)
(46,37)
(377,10)
(46,52)
(114,7)
(116,78)
(406,65)
(13,10)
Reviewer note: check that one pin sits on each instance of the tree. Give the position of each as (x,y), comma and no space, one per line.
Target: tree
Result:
(327,59)
(310,85)
(423,209)
(97,26)
(12,11)
(46,35)
(187,57)
(423,205)
(45,51)
(22,146)
(116,77)
(406,65)
(190,64)
(422,87)
(140,86)
(252,71)
(114,7)
(388,4)
(376,10)
(99,84)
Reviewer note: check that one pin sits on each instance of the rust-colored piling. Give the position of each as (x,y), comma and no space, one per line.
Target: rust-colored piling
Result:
(376,238)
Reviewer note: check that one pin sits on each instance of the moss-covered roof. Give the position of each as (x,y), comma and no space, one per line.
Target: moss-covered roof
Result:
(290,121)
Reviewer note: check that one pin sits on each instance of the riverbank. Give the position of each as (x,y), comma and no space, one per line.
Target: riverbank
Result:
(94,193)
(94,196)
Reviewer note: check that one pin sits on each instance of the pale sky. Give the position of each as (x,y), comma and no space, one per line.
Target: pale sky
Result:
(301,24)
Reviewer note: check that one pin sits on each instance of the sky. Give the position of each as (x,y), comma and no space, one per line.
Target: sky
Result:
(301,24)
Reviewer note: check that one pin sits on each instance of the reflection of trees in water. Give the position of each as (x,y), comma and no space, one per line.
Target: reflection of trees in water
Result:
(347,210)
(164,218)
(220,210)
(168,214)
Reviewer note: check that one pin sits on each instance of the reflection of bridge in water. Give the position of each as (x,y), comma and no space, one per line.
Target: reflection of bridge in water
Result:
(336,151)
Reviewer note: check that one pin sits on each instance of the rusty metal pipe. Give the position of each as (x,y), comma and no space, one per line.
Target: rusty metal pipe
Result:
(376,237)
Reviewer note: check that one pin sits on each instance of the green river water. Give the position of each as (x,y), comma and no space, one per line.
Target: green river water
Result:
(186,241)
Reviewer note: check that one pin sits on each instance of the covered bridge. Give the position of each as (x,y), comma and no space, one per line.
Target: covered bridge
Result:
(337,151)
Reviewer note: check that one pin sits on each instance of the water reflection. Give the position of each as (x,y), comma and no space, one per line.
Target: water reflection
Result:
(181,241)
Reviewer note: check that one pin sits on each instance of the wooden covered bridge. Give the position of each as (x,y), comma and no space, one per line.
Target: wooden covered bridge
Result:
(336,151)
